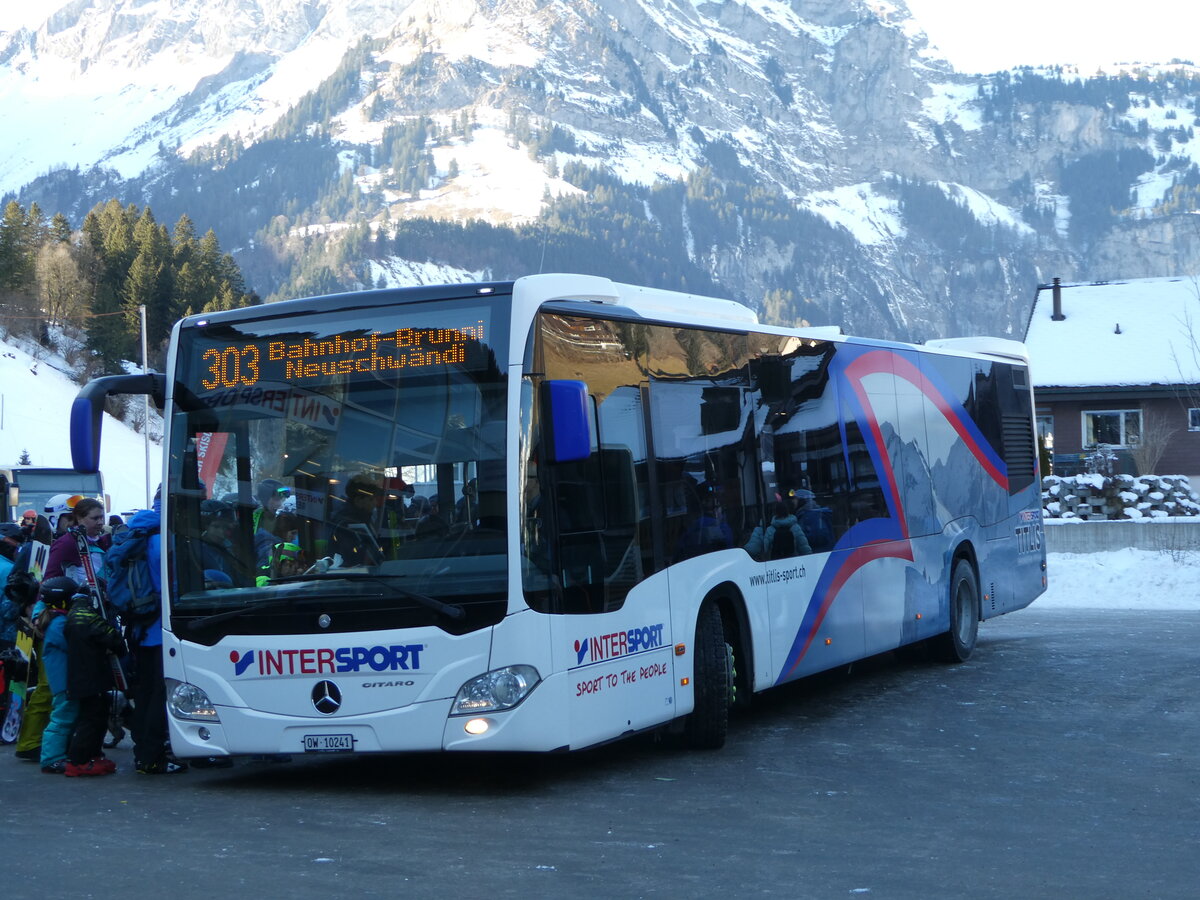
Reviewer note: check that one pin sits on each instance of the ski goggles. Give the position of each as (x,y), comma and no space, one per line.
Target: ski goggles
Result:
(67,505)
(287,550)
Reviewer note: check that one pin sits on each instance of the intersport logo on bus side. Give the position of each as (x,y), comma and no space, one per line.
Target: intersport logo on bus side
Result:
(619,643)
(326,660)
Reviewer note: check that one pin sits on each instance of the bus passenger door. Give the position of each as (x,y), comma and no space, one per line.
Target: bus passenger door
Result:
(611,622)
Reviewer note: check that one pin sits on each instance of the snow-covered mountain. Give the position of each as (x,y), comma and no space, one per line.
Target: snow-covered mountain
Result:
(812,157)
(110,81)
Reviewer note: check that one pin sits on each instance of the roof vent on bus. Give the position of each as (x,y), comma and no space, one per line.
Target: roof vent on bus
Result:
(650,302)
(684,307)
(1002,348)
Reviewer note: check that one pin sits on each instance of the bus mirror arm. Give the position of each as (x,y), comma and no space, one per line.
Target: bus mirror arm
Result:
(87,412)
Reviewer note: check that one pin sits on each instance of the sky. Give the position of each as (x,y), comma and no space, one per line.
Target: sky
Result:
(1038,32)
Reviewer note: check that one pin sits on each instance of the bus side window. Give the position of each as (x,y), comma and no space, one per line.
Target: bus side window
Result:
(804,460)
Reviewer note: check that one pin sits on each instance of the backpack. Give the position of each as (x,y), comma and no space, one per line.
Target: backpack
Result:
(816,525)
(782,543)
(21,587)
(127,578)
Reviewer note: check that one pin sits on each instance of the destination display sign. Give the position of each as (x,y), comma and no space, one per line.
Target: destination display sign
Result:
(298,359)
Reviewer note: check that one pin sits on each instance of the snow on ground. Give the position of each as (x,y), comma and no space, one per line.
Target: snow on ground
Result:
(1123,579)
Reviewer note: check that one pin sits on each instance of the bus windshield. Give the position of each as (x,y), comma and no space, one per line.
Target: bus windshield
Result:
(36,487)
(339,471)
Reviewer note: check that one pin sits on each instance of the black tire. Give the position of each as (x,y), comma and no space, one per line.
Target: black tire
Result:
(957,644)
(706,726)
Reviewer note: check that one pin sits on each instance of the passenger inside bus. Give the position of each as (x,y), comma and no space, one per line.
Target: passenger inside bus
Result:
(353,536)
(430,523)
(218,522)
(708,531)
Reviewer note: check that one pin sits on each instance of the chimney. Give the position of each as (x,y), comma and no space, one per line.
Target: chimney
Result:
(1056,293)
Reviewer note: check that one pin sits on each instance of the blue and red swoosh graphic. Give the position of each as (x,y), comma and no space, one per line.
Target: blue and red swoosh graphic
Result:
(880,538)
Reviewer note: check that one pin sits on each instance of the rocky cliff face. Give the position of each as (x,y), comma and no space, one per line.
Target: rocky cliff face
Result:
(850,176)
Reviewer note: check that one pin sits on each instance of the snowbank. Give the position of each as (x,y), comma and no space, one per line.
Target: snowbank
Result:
(1123,579)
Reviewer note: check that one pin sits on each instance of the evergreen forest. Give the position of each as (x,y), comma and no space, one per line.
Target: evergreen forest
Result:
(91,281)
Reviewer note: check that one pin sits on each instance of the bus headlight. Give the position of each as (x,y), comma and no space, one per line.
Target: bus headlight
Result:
(186,701)
(496,690)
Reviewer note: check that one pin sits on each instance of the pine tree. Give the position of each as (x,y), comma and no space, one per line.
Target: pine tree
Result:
(150,281)
(16,262)
(60,229)
(110,234)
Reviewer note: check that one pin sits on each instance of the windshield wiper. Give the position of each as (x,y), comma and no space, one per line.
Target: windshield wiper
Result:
(252,607)
(449,610)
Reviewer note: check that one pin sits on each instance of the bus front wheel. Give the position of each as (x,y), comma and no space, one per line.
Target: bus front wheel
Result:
(957,644)
(706,725)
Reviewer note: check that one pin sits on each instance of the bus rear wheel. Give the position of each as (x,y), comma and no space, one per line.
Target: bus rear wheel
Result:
(707,724)
(957,644)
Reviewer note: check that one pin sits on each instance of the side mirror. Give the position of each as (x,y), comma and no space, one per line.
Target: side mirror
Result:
(87,412)
(567,428)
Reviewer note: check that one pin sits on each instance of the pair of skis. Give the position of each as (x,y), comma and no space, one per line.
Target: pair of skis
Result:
(99,601)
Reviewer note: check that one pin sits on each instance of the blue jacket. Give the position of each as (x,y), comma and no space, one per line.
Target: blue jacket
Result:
(150,635)
(54,652)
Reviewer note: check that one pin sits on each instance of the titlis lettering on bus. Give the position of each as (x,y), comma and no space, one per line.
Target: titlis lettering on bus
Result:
(265,663)
(618,643)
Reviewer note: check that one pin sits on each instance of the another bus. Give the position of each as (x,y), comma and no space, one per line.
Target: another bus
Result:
(587,558)
(31,487)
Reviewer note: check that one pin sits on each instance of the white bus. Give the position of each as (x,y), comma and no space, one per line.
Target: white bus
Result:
(593,552)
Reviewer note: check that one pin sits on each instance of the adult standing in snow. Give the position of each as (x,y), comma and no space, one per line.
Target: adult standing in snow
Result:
(11,538)
(151,751)
(11,610)
(64,552)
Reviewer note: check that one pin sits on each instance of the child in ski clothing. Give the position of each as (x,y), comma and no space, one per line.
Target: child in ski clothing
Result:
(64,552)
(56,595)
(90,639)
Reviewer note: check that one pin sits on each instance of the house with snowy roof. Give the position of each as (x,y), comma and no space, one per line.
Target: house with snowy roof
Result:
(1118,364)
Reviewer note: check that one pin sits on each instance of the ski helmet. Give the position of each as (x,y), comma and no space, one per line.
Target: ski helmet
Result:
(58,591)
(215,509)
(59,504)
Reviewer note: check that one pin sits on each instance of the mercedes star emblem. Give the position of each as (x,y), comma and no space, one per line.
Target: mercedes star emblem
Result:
(326,697)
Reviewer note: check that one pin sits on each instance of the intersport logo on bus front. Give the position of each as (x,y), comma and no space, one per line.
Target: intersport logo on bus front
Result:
(327,660)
